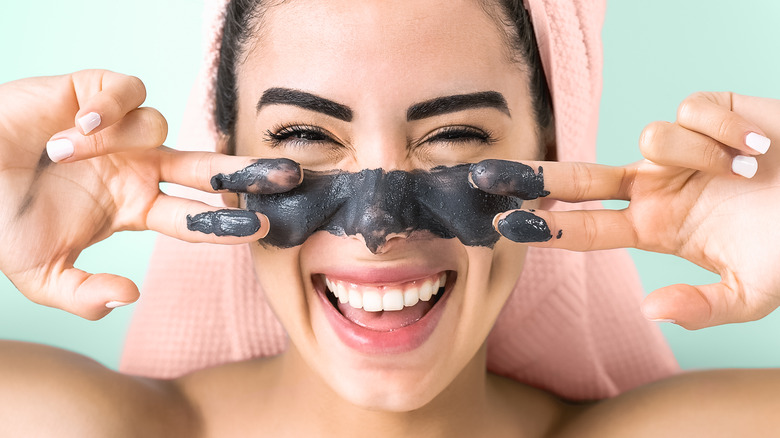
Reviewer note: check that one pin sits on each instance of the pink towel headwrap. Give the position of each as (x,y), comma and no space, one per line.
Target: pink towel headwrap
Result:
(577,332)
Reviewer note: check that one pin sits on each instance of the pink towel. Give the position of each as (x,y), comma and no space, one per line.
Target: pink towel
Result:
(576,332)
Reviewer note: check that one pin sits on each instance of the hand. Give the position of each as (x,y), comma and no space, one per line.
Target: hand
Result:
(109,164)
(685,199)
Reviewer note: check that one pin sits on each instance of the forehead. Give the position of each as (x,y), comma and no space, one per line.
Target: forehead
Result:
(425,48)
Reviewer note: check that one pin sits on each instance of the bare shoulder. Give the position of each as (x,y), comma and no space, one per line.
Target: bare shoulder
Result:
(45,391)
(718,403)
(235,397)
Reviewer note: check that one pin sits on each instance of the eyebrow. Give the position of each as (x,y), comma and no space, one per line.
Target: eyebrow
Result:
(418,111)
(302,99)
(458,102)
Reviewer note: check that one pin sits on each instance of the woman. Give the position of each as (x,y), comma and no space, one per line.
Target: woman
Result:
(428,378)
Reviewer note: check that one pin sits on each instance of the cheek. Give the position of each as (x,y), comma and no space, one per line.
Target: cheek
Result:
(280,276)
(496,274)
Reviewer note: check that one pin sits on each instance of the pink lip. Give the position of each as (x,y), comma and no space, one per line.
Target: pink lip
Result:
(370,341)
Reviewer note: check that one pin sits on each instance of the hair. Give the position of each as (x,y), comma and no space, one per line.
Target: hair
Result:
(243,19)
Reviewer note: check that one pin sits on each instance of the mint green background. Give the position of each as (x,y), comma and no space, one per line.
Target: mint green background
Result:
(656,53)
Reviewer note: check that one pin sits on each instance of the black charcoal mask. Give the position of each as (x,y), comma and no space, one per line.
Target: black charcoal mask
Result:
(377,204)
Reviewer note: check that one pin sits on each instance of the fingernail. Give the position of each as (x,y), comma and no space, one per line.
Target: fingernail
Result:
(59,149)
(522,226)
(758,142)
(664,320)
(238,223)
(745,166)
(89,122)
(115,304)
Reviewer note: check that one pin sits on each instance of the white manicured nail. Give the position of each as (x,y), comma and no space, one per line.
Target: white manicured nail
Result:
(59,149)
(663,320)
(89,122)
(745,166)
(758,142)
(115,304)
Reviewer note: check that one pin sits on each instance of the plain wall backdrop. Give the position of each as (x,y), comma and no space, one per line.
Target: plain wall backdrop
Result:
(656,53)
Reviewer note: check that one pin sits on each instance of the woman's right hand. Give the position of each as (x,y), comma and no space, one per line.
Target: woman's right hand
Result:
(109,164)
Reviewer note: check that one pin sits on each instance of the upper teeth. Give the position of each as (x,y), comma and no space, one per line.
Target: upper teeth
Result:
(379,298)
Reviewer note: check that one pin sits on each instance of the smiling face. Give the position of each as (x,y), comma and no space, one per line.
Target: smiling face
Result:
(404,85)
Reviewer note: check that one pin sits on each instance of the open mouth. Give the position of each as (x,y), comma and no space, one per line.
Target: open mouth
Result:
(386,307)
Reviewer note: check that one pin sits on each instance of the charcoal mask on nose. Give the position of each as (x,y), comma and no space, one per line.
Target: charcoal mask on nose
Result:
(377,204)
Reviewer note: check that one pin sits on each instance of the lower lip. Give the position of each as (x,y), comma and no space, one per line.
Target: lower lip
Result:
(397,341)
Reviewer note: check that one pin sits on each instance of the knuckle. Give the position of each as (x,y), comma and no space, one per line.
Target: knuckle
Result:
(154,125)
(589,228)
(712,156)
(137,88)
(204,166)
(583,181)
(90,74)
(688,106)
(626,185)
(114,103)
(725,126)
(97,143)
(652,138)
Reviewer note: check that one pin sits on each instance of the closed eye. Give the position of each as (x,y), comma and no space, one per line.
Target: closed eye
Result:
(297,136)
(459,134)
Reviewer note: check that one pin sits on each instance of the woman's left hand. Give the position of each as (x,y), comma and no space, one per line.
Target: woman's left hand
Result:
(694,196)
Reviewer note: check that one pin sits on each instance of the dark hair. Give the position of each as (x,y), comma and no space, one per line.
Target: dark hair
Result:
(242,21)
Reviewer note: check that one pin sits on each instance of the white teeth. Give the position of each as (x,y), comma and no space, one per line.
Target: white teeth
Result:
(383,298)
(343,293)
(372,301)
(411,297)
(393,300)
(426,291)
(355,299)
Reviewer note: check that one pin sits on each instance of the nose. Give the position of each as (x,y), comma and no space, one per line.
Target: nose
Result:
(375,225)
(381,208)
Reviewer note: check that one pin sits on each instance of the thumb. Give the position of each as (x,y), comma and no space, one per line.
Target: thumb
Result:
(90,296)
(695,307)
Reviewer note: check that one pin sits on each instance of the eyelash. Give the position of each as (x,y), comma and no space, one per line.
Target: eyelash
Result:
(299,135)
(461,134)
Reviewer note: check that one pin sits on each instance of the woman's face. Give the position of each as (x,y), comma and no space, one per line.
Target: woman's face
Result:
(375,60)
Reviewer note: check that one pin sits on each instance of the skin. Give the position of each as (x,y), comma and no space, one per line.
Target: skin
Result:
(371,56)
(321,388)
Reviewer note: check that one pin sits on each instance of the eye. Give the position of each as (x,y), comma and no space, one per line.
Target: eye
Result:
(297,136)
(460,134)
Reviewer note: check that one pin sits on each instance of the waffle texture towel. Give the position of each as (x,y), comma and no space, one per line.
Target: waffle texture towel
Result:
(571,326)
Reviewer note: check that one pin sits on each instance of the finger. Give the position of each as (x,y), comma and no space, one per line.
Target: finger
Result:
(672,145)
(142,128)
(585,230)
(90,296)
(209,171)
(571,182)
(105,97)
(711,115)
(695,307)
(194,221)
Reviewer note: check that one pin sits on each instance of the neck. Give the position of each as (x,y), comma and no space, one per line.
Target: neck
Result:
(462,409)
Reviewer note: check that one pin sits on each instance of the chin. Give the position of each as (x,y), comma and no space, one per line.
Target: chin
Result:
(398,391)
(388,331)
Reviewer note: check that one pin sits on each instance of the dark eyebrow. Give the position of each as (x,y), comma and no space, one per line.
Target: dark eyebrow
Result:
(458,102)
(302,99)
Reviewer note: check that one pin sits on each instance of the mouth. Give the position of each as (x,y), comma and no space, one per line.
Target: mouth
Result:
(384,317)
